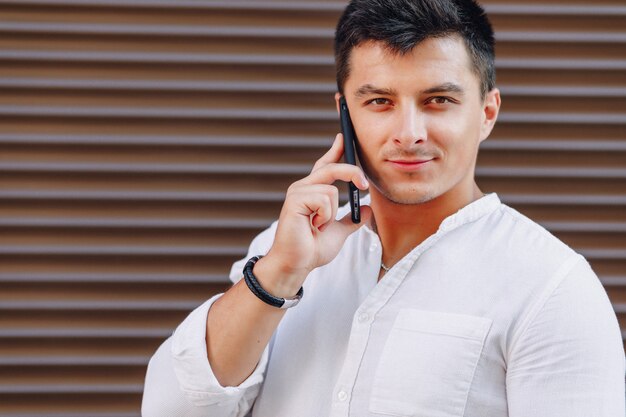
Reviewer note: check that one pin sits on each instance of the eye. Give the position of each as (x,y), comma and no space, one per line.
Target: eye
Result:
(379,101)
(439,100)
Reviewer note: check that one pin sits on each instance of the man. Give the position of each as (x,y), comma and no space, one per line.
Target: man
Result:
(442,302)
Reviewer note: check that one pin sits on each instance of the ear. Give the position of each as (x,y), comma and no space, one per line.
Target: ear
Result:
(491,107)
(337,97)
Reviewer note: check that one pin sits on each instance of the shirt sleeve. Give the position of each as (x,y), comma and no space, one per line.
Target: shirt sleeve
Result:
(179,380)
(259,246)
(569,358)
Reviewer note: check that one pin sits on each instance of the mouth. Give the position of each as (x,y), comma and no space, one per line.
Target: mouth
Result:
(409,164)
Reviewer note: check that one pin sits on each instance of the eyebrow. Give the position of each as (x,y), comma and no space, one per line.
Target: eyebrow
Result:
(445,88)
(369,89)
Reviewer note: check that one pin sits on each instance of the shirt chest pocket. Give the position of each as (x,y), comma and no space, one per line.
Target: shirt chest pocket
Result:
(427,364)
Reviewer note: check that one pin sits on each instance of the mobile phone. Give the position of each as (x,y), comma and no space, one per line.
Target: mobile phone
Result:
(349,155)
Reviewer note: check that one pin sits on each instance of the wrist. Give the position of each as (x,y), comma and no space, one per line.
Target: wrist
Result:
(277,280)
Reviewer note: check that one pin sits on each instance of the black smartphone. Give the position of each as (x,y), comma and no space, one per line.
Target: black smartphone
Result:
(349,155)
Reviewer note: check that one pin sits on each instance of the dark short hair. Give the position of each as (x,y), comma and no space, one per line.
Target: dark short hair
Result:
(402,24)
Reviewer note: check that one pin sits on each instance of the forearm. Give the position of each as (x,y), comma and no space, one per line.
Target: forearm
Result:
(308,235)
(239,327)
(179,381)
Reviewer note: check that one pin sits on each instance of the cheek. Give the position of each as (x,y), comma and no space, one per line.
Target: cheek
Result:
(370,137)
(445,133)
(456,132)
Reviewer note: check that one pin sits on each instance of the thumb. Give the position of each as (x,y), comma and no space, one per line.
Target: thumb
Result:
(348,227)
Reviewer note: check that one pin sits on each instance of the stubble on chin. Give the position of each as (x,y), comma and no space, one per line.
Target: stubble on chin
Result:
(392,193)
(398,196)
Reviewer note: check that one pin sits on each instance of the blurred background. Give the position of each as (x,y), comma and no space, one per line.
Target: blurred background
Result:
(144,143)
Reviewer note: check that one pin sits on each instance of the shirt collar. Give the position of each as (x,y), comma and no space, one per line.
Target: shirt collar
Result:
(472,212)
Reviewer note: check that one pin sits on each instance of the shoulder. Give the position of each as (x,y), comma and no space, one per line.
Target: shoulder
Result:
(565,298)
(524,239)
(573,313)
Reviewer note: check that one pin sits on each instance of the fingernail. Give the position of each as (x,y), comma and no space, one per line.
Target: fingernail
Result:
(365,182)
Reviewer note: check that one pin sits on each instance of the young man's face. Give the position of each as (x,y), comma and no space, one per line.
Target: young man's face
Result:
(418,142)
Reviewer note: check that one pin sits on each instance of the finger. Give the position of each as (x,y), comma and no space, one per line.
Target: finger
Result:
(309,200)
(320,209)
(333,194)
(329,190)
(303,194)
(334,154)
(334,198)
(348,227)
(332,172)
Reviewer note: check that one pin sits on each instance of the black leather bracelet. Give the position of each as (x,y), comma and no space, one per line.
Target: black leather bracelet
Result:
(263,295)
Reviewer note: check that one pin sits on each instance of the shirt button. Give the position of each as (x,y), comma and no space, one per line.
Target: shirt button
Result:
(373,247)
(342,395)
(363,317)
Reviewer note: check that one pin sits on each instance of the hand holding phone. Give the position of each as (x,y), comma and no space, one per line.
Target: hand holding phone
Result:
(349,154)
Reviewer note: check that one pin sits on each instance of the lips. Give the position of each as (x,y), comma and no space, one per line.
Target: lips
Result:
(406,162)
(409,164)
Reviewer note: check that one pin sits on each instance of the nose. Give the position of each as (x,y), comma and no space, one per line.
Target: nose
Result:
(411,127)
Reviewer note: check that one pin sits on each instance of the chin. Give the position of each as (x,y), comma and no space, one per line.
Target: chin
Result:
(411,199)
(407,195)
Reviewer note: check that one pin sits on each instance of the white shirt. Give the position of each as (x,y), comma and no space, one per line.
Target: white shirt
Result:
(491,316)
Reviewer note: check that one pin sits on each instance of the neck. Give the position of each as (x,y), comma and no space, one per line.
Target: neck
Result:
(401,227)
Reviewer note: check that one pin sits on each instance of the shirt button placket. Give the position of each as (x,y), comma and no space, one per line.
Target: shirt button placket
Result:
(363,318)
(342,396)
(359,336)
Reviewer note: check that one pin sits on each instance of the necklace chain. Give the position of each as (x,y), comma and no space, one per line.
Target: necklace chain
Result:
(382,264)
